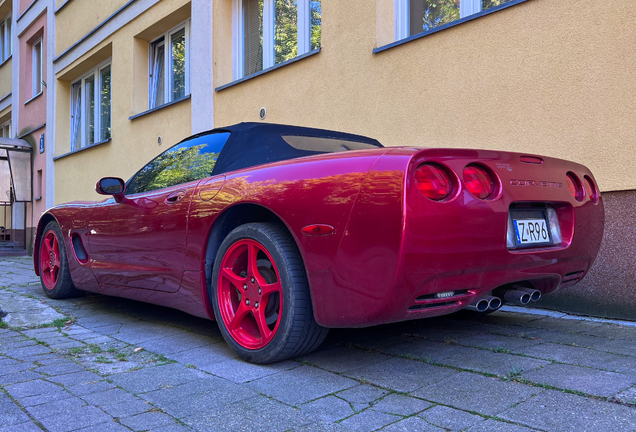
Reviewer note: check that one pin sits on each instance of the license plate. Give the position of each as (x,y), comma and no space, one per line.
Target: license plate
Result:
(532,231)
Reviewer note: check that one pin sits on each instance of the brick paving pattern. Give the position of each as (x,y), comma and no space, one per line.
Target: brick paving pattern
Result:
(98,363)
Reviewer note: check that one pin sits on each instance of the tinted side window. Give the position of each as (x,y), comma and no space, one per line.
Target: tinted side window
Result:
(191,160)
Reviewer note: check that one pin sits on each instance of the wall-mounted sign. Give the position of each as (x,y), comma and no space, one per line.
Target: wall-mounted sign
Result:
(42,143)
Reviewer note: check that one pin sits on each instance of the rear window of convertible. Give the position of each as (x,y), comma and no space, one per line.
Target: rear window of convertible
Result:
(325,145)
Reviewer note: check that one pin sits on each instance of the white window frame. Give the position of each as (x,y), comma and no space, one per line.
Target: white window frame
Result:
(167,62)
(6,38)
(37,86)
(94,73)
(6,129)
(304,34)
(403,20)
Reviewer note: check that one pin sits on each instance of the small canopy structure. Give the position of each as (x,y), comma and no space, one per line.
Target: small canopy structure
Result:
(15,171)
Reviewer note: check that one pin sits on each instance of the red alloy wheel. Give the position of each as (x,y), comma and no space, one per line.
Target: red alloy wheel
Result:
(250,295)
(50,260)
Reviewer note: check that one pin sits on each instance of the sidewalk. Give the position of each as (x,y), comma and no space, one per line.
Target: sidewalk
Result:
(99,363)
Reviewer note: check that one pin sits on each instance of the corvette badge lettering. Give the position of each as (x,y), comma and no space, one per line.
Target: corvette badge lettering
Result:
(535,183)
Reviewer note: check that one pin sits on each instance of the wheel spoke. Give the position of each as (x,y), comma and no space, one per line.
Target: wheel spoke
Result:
(233,278)
(261,322)
(268,289)
(239,315)
(252,264)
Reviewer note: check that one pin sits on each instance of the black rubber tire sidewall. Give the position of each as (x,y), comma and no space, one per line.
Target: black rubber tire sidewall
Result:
(64,287)
(293,279)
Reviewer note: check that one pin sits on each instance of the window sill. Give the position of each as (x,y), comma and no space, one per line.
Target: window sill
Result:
(264,71)
(34,97)
(37,198)
(174,102)
(6,60)
(447,26)
(82,149)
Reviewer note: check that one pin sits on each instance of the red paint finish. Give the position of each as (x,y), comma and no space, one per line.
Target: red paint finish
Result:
(50,260)
(391,250)
(250,296)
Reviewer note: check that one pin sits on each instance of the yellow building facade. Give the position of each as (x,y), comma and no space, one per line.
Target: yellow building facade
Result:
(551,77)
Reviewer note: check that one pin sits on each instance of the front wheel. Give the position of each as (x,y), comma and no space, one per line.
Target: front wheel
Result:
(260,295)
(55,275)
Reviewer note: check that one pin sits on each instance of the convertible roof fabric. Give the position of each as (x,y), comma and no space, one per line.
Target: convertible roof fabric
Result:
(252,144)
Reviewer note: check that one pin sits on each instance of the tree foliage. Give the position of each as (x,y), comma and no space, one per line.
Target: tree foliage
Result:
(439,12)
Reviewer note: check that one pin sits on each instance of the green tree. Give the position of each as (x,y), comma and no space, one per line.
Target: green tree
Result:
(439,12)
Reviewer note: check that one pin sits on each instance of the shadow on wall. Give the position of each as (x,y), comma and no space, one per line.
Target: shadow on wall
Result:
(608,289)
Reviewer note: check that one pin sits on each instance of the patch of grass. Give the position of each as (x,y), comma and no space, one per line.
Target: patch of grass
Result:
(76,351)
(514,373)
(502,350)
(96,349)
(102,359)
(111,349)
(3,325)
(450,341)
(31,296)
(190,366)
(121,357)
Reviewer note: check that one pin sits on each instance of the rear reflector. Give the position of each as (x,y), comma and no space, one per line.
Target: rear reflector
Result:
(433,181)
(592,190)
(479,181)
(318,230)
(575,186)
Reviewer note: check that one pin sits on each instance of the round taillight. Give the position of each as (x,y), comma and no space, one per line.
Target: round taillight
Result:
(479,181)
(575,186)
(433,181)
(592,190)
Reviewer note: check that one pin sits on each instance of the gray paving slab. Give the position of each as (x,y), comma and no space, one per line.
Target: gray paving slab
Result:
(450,419)
(23,427)
(75,378)
(149,379)
(179,342)
(31,388)
(89,387)
(146,421)
(75,419)
(428,350)
(501,364)
(138,332)
(362,394)
(54,407)
(239,371)
(301,385)
(369,420)
(205,357)
(590,381)
(477,393)
(401,374)
(327,409)
(498,426)
(628,396)
(12,415)
(412,424)
(400,405)
(556,411)
(342,359)
(60,368)
(109,426)
(516,345)
(18,377)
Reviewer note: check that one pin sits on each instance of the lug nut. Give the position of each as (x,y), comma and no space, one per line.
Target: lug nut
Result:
(256,304)
(245,287)
(260,291)
(247,302)
(252,280)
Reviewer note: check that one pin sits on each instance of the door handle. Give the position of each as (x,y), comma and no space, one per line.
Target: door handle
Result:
(175,197)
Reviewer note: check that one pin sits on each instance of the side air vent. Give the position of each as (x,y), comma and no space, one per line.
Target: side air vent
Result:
(78,248)
(572,278)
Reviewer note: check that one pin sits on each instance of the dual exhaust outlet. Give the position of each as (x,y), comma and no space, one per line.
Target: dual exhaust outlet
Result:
(520,296)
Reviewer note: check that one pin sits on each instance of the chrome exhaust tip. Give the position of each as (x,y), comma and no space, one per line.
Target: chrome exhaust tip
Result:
(494,303)
(479,305)
(535,295)
(517,297)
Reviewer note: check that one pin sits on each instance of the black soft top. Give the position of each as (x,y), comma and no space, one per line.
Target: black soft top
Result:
(252,144)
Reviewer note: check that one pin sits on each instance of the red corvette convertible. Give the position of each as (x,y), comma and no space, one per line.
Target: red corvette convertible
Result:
(280,232)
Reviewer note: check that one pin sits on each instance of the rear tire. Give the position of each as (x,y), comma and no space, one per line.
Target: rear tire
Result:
(55,275)
(260,295)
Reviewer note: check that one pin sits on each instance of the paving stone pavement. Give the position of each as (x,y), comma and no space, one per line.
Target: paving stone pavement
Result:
(98,363)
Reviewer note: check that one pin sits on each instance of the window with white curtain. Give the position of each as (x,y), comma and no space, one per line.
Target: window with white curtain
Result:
(270,32)
(5,130)
(5,39)
(37,65)
(169,66)
(91,107)
(417,16)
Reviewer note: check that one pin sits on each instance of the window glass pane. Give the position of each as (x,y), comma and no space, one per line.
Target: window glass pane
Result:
(487,4)
(3,57)
(178,64)
(157,79)
(104,106)
(316,23)
(89,91)
(37,68)
(9,48)
(76,115)
(253,36)
(428,14)
(285,30)
(191,160)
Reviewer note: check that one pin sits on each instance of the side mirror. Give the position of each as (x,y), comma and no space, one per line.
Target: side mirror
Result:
(111,186)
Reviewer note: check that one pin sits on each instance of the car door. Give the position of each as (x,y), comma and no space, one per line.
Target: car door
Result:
(140,242)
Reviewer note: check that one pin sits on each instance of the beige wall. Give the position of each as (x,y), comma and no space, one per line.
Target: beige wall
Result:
(79,17)
(134,142)
(549,77)
(5,78)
